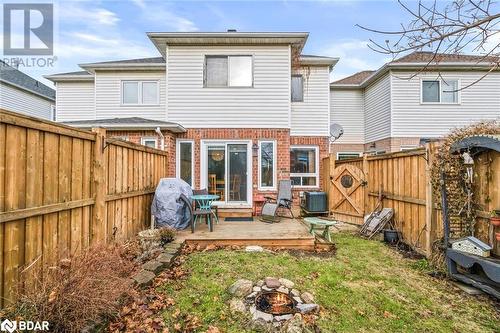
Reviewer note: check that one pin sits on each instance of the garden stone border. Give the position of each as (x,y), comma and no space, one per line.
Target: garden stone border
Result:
(152,268)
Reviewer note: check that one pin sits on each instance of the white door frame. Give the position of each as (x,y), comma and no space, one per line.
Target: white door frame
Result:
(204,171)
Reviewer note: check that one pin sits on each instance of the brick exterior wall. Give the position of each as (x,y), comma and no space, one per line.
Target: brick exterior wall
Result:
(390,145)
(346,147)
(281,136)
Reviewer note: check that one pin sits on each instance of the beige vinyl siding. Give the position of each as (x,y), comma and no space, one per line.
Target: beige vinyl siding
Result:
(108,95)
(25,102)
(347,109)
(410,118)
(266,104)
(310,117)
(378,109)
(75,101)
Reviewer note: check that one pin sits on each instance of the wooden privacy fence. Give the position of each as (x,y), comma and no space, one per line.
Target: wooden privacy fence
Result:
(62,189)
(403,181)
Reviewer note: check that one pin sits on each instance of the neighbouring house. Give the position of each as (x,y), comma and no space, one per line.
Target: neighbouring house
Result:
(23,94)
(412,100)
(237,111)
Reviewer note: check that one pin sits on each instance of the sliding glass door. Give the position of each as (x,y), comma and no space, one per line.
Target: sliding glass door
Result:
(225,169)
(237,175)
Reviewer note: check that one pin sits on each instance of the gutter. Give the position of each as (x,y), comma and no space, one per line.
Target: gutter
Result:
(139,66)
(175,128)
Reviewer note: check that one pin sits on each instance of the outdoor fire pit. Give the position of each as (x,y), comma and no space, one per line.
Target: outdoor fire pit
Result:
(275,305)
(275,302)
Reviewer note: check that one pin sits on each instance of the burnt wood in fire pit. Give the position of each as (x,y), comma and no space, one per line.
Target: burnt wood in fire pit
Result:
(275,302)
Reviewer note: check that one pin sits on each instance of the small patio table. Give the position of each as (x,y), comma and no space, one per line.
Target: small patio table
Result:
(321,224)
(204,201)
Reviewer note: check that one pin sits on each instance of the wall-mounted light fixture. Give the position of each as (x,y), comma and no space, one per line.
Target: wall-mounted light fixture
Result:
(255,150)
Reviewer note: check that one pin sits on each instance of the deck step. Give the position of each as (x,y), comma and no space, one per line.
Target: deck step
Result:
(235,212)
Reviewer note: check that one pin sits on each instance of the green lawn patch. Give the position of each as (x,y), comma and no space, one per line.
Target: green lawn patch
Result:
(365,287)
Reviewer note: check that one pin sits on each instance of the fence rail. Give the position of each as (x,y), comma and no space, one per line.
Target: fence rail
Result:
(62,189)
(402,181)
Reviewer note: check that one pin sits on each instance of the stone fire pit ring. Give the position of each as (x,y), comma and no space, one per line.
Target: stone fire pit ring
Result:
(283,307)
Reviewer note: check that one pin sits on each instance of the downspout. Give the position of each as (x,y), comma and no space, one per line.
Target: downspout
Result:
(162,138)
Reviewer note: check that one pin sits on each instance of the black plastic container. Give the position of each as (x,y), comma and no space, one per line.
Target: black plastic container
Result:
(391,236)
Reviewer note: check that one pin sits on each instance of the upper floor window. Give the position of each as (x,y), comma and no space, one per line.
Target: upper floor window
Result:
(297,88)
(140,93)
(228,71)
(440,91)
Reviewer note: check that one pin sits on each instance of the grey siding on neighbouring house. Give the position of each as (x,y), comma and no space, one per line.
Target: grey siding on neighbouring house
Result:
(347,109)
(265,105)
(75,101)
(378,109)
(310,117)
(22,101)
(411,118)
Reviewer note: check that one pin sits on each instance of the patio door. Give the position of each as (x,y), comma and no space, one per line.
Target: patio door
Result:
(226,171)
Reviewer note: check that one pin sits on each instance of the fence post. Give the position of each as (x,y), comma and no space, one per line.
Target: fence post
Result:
(365,189)
(98,232)
(429,200)
(329,181)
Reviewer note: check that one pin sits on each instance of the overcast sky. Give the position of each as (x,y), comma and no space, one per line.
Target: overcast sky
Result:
(89,31)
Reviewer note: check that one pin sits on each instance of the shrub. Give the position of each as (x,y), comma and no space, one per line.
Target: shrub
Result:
(79,291)
(166,235)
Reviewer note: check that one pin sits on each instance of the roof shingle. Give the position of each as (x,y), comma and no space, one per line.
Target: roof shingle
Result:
(356,78)
(15,77)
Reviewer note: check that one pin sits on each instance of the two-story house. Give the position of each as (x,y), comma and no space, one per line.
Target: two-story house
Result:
(237,111)
(412,99)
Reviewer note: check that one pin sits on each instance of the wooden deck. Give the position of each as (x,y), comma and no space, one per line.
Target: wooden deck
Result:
(289,233)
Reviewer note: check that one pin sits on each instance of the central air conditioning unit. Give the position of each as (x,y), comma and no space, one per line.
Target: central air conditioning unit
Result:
(314,203)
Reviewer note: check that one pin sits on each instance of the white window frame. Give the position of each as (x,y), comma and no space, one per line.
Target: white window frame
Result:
(178,159)
(316,174)
(360,154)
(459,95)
(267,188)
(149,138)
(139,93)
(228,70)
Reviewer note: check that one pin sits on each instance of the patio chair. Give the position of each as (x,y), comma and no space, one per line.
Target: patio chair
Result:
(283,200)
(204,191)
(195,213)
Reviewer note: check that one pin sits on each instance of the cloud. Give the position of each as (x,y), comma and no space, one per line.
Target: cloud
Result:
(158,14)
(75,13)
(355,56)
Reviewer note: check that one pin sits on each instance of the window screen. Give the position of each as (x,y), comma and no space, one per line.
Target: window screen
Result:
(149,93)
(130,93)
(430,91)
(297,88)
(216,71)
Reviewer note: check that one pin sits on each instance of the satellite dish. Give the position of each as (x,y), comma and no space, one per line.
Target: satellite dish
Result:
(336,131)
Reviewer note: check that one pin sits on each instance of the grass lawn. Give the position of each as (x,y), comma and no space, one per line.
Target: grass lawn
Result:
(365,287)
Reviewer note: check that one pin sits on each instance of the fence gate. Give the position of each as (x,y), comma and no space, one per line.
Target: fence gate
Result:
(347,193)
